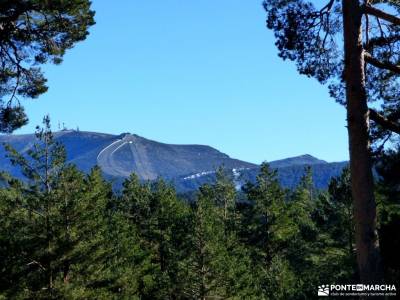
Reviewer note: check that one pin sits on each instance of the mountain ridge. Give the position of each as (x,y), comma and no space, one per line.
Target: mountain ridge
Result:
(186,165)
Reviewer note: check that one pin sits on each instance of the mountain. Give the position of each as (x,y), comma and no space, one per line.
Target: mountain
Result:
(289,175)
(301,160)
(187,166)
(121,155)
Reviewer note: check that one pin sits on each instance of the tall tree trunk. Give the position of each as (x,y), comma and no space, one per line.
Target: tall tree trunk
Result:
(367,244)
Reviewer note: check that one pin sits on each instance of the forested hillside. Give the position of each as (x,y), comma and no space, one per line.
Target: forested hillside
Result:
(66,235)
(186,166)
(85,215)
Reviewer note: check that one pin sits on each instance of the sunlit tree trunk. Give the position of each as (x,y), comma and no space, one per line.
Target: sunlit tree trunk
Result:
(368,255)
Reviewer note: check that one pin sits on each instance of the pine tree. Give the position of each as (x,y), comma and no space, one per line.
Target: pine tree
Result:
(266,232)
(225,270)
(92,251)
(266,201)
(224,195)
(169,232)
(64,227)
(17,241)
(161,221)
(334,220)
(302,235)
(42,167)
(135,203)
(340,196)
(34,32)
(207,255)
(361,71)
(388,168)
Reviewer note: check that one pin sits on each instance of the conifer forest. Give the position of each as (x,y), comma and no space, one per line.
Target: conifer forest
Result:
(70,234)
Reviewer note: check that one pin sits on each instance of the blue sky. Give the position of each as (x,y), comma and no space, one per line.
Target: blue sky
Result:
(192,72)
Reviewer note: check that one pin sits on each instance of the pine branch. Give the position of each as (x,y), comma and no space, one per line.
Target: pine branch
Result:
(381,41)
(381,65)
(381,15)
(384,122)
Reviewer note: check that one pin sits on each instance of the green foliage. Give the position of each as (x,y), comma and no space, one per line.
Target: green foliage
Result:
(336,209)
(56,228)
(207,257)
(34,32)
(220,263)
(388,198)
(265,231)
(310,33)
(161,222)
(67,235)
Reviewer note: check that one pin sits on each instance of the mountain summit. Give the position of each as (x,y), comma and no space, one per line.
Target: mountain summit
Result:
(305,159)
(121,155)
(187,166)
(130,153)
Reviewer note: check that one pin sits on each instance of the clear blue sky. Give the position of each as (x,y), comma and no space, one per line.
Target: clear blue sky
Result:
(202,72)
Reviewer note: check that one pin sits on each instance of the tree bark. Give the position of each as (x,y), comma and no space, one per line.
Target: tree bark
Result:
(367,244)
